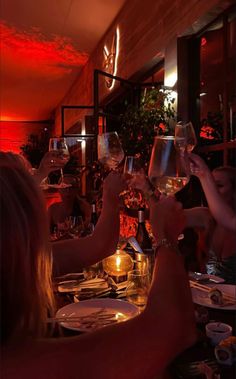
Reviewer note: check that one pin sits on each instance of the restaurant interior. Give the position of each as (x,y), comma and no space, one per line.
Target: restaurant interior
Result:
(74,72)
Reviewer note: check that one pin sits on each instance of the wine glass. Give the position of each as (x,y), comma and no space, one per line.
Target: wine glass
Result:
(110,151)
(168,167)
(132,166)
(185,136)
(132,197)
(59,148)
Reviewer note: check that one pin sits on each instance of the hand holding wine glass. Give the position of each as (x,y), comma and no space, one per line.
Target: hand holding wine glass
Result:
(110,151)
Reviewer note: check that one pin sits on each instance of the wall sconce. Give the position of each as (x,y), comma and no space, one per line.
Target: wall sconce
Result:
(118,264)
(111,58)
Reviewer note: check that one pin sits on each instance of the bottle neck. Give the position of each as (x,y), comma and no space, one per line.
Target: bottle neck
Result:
(141,216)
(93,208)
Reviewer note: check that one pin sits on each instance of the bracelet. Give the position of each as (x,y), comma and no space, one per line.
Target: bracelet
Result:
(164,242)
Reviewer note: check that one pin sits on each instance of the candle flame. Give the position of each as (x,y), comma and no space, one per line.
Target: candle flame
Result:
(118,262)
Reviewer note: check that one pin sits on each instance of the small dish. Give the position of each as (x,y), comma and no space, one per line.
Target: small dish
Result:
(218,331)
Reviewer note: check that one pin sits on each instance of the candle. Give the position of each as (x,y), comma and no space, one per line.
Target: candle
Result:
(118,264)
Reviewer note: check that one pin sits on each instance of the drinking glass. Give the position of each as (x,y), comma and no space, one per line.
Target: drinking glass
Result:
(168,168)
(132,197)
(137,289)
(59,148)
(185,136)
(132,166)
(110,151)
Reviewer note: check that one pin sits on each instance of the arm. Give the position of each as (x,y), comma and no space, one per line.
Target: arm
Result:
(199,217)
(221,211)
(120,351)
(72,255)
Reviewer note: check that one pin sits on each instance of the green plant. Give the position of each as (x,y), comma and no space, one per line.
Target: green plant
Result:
(139,125)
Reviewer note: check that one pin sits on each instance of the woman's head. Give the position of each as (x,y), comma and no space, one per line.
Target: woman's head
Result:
(25,292)
(225,179)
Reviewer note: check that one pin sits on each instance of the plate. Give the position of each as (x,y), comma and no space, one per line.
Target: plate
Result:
(198,276)
(59,186)
(93,314)
(201,298)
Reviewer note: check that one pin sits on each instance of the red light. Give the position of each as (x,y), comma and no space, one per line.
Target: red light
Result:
(203,41)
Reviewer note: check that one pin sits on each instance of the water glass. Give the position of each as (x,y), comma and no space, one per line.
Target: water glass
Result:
(137,289)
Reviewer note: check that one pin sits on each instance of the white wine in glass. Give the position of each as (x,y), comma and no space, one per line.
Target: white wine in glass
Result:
(168,167)
(185,136)
(110,151)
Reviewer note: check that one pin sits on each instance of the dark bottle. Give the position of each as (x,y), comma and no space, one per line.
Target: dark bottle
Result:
(94,217)
(145,242)
(142,235)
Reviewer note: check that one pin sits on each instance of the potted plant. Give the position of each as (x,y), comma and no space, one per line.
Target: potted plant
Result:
(139,125)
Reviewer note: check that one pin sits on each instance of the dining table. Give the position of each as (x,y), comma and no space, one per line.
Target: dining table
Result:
(186,364)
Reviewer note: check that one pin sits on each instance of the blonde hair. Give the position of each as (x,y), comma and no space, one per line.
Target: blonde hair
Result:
(26,264)
(230,172)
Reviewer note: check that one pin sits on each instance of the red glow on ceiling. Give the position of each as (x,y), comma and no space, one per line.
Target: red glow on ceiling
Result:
(37,49)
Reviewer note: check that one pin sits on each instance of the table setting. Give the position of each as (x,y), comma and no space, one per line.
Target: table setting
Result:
(91,303)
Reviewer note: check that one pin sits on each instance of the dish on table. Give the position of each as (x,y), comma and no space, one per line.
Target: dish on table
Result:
(93,314)
(202,298)
(199,277)
(91,285)
(58,186)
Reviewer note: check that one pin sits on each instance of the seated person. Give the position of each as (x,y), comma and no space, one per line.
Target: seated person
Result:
(221,210)
(26,287)
(219,187)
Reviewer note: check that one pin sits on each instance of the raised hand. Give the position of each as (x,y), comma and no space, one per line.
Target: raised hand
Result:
(197,166)
(167,218)
(113,185)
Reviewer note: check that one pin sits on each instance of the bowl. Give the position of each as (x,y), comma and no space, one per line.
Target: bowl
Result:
(218,331)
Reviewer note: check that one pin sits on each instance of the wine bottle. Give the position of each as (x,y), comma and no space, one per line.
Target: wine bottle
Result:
(94,216)
(93,219)
(142,235)
(144,239)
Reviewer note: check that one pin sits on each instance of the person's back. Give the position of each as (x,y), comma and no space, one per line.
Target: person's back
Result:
(222,254)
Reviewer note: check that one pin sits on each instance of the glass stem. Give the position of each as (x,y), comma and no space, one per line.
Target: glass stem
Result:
(62,175)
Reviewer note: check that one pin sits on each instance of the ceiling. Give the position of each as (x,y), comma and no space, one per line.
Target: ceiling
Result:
(44,45)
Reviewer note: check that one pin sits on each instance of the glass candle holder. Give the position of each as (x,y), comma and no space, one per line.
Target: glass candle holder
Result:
(118,264)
